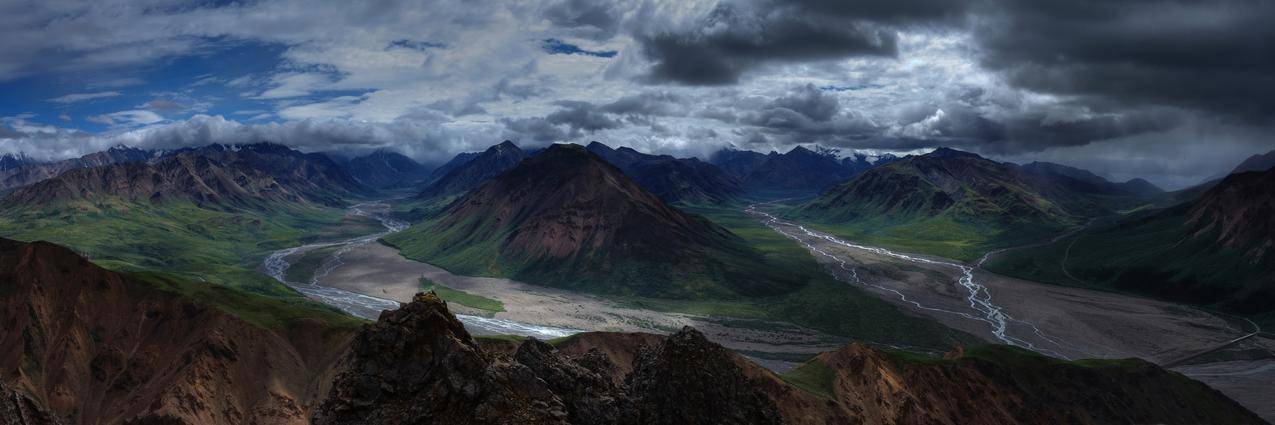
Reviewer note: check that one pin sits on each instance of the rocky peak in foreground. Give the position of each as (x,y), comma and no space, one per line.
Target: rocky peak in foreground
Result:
(419,365)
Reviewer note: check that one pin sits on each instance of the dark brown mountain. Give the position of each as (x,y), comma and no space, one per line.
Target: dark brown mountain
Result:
(567,218)
(385,169)
(251,176)
(672,179)
(476,171)
(312,173)
(86,345)
(27,172)
(1260,162)
(1003,384)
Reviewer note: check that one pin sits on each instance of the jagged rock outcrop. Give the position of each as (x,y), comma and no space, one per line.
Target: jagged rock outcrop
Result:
(419,365)
(18,409)
(689,380)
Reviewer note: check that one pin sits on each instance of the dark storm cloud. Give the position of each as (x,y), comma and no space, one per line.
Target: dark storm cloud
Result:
(733,39)
(581,116)
(1217,56)
(589,18)
(647,104)
(811,102)
(537,129)
(737,36)
(574,119)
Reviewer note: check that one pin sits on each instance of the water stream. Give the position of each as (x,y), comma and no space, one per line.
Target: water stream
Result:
(982,307)
(369,307)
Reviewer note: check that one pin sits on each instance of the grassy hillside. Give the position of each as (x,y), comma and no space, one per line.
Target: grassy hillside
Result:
(1149,254)
(948,203)
(945,235)
(178,237)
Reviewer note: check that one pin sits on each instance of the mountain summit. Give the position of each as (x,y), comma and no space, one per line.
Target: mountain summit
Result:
(565,217)
(475,171)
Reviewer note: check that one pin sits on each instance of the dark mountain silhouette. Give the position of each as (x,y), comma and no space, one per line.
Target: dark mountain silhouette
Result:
(565,217)
(385,169)
(798,170)
(456,161)
(1086,182)
(671,179)
(1260,162)
(737,163)
(474,172)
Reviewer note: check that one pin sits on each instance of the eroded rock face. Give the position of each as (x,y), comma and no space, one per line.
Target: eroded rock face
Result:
(89,345)
(689,380)
(419,365)
(18,409)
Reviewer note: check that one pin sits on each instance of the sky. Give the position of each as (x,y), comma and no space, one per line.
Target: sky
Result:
(1171,91)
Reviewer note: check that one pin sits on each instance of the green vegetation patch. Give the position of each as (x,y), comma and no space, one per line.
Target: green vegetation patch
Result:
(262,311)
(814,377)
(303,268)
(463,298)
(198,243)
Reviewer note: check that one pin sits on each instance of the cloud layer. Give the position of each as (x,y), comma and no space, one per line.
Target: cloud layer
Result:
(1076,81)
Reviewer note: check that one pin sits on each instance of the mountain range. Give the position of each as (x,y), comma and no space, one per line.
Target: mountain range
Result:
(18,170)
(568,218)
(247,176)
(384,169)
(672,179)
(800,171)
(464,173)
(959,204)
(87,345)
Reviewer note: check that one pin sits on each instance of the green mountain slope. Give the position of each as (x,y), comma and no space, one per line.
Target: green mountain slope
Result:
(948,203)
(1218,250)
(567,218)
(208,214)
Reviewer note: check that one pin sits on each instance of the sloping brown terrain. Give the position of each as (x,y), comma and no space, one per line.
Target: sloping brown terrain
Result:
(1240,214)
(1002,384)
(93,346)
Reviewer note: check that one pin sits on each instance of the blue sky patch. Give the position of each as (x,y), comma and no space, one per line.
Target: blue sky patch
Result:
(558,47)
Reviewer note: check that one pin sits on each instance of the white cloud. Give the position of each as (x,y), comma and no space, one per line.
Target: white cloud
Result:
(131,118)
(81,97)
